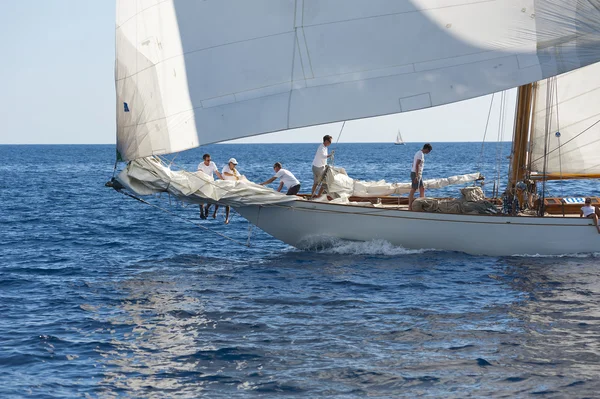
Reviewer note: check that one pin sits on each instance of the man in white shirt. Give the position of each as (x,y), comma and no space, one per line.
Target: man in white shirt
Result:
(319,163)
(287,179)
(208,167)
(229,172)
(590,211)
(416,174)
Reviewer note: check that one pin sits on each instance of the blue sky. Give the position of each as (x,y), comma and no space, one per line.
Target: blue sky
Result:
(58,86)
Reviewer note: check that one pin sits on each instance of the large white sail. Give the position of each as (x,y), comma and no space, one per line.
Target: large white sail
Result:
(570,105)
(197,72)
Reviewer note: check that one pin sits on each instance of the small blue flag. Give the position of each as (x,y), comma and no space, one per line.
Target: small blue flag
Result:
(125,107)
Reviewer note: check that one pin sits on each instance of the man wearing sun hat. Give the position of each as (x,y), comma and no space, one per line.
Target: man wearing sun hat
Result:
(229,172)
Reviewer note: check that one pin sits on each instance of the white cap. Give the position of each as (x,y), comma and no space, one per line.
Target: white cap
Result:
(233,161)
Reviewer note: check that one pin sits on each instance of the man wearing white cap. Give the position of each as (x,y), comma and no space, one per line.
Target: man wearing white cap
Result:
(229,172)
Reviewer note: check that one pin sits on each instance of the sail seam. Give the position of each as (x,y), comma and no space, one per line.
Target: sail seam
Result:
(420,10)
(207,48)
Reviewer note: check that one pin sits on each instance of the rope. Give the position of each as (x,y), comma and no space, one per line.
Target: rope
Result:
(187,220)
(485,133)
(336,143)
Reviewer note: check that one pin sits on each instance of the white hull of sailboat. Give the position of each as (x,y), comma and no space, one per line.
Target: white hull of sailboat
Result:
(303,223)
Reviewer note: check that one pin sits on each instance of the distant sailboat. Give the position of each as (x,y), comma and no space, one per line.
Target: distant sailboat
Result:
(399,140)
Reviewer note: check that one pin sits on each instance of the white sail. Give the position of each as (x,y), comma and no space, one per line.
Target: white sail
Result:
(574,112)
(198,72)
(399,138)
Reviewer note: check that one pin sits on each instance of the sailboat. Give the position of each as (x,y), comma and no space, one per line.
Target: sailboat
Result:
(399,140)
(192,73)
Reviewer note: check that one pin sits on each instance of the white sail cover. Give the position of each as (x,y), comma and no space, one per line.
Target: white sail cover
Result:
(571,108)
(339,184)
(196,72)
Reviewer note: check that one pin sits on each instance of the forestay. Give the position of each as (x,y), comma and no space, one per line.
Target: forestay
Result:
(199,72)
(570,105)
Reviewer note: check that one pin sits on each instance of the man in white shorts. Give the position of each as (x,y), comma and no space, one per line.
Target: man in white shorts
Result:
(208,167)
(590,211)
(416,174)
(319,164)
(287,179)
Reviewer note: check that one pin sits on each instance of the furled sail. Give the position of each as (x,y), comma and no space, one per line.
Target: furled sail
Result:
(339,184)
(198,72)
(569,105)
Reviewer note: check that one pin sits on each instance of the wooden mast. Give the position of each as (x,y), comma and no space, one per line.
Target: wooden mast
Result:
(518,165)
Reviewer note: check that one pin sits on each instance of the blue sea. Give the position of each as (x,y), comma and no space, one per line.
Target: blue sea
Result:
(102,296)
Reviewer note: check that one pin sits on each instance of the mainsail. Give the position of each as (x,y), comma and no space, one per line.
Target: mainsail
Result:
(199,72)
(566,125)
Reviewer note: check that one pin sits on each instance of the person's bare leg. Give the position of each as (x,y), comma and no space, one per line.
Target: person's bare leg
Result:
(596,221)
(215,213)
(206,209)
(312,193)
(421,192)
(227,214)
(321,191)
(411,197)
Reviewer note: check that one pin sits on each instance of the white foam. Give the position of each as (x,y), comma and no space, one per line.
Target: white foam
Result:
(330,245)
(580,255)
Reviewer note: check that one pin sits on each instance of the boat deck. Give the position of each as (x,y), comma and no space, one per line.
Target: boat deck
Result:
(555,207)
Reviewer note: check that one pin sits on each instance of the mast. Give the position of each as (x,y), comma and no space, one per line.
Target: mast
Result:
(518,166)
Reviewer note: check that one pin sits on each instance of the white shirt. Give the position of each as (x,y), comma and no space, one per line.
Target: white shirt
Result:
(321,156)
(233,172)
(209,169)
(418,156)
(288,179)
(588,210)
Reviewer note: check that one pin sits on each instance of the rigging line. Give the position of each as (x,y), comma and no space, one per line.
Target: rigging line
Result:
(548,120)
(499,146)
(336,143)
(187,220)
(562,193)
(485,132)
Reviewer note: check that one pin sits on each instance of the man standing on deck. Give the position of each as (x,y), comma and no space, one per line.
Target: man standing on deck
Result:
(319,164)
(287,178)
(416,174)
(208,167)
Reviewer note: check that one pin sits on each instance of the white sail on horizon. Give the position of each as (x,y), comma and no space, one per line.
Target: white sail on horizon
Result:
(191,73)
(399,138)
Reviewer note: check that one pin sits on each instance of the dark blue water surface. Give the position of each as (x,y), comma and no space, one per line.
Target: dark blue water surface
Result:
(103,296)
